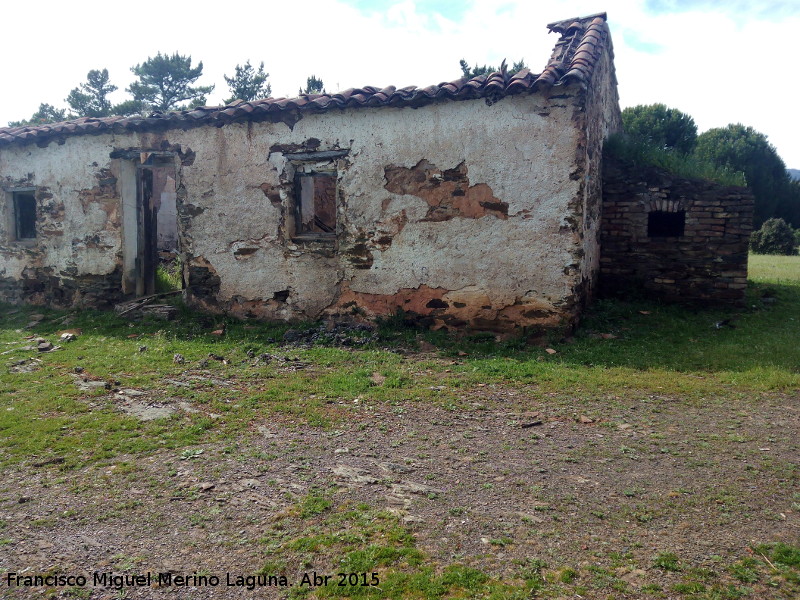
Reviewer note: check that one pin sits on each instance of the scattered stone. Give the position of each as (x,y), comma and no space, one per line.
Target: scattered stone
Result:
(45,347)
(68,337)
(79,369)
(178,359)
(354,474)
(25,365)
(426,346)
(292,335)
(88,385)
(177,383)
(413,519)
(585,420)
(142,348)
(342,451)
(395,468)
(206,486)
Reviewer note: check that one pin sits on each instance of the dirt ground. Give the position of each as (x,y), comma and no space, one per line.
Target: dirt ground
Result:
(601,486)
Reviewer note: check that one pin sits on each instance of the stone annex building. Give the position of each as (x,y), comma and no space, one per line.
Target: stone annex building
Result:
(476,203)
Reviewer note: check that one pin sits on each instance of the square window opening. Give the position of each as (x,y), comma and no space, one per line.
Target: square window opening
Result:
(24,215)
(666,224)
(315,204)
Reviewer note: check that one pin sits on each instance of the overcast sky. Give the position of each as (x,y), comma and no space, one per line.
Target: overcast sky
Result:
(719,61)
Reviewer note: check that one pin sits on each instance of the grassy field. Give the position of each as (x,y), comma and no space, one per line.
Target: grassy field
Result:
(142,404)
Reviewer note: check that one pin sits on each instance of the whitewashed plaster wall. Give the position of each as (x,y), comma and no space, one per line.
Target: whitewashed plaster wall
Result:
(506,258)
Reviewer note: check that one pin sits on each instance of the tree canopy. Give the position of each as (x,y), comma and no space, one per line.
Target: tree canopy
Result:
(166,81)
(248,83)
(470,72)
(667,128)
(314,85)
(774,237)
(90,99)
(744,149)
(47,113)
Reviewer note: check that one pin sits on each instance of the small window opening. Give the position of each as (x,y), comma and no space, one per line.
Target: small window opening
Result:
(24,215)
(666,224)
(316,203)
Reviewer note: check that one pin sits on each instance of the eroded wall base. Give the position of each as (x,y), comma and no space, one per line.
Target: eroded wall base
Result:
(42,286)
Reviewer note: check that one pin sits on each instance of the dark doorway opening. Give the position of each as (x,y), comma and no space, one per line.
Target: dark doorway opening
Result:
(158,244)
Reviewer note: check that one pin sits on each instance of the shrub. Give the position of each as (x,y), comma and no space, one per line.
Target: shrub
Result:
(774,237)
(638,151)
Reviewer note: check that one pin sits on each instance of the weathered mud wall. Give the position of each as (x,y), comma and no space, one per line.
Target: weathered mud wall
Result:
(462,225)
(74,257)
(464,213)
(707,262)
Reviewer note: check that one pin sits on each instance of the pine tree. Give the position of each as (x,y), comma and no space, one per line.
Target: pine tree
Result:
(90,99)
(248,83)
(166,81)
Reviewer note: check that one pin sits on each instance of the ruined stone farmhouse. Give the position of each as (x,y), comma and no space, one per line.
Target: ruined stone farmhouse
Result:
(475,203)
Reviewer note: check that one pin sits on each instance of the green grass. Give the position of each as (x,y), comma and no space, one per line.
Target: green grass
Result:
(169,277)
(656,350)
(772,269)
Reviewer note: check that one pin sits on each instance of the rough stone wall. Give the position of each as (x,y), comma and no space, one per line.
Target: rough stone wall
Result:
(463,213)
(708,263)
(74,258)
(600,118)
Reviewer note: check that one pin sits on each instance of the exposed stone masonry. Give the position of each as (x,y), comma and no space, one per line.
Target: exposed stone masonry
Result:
(708,263)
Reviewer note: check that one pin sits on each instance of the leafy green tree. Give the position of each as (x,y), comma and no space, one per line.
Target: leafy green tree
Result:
(666,128)
(741,148)
(789,205)
(47,113)
(314,85)
(166,81)
(128,108)
(470,72)
(774,237)
(248,83)
(90,99)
